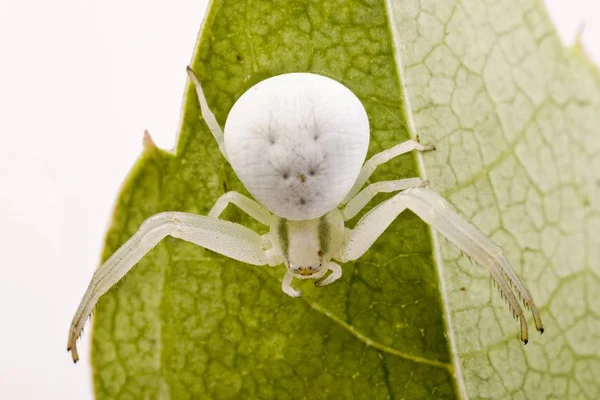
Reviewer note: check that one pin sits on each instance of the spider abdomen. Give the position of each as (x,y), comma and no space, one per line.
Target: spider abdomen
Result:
(297,142)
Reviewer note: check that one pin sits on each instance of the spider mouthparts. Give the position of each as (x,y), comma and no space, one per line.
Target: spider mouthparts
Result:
(305,271)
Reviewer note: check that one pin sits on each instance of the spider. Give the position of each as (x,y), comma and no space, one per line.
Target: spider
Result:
(298,142)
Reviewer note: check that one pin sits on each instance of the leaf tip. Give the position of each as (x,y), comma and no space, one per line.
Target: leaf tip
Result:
(148,142)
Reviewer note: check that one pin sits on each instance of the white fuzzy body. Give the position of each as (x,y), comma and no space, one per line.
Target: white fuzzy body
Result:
(297,142)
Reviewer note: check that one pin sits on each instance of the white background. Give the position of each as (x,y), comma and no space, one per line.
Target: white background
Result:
(79,83)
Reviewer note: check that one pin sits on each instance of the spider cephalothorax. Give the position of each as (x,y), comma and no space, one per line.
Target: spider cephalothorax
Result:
(298,144)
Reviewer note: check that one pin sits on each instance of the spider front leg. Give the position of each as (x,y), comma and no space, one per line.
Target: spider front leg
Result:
(381,158)
(227,238)
(438,213)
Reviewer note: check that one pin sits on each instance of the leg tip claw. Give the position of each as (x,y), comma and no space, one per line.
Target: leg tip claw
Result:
(73,349)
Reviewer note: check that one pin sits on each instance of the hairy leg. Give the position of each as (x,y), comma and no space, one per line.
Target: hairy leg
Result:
(438,213)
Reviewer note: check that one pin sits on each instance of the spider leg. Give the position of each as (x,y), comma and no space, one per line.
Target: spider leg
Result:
(358,202)
(249,206)
(207,115)
(381,158)
(336,273)
(224,237)
(286,285)
(438,213)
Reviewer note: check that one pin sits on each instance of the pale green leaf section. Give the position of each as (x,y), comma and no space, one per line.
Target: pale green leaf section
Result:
(516,119)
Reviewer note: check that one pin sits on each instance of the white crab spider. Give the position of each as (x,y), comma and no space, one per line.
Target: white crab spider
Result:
(297,142)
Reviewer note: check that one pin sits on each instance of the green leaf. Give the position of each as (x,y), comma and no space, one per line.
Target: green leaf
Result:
(515,119)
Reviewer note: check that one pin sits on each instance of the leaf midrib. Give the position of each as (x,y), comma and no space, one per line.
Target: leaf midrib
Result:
(455,367)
